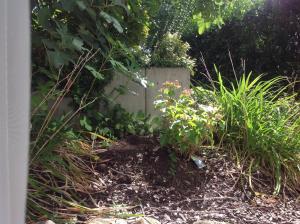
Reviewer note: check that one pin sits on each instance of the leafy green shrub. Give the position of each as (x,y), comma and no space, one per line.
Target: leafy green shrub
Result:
(255,118)
(76,46)
(180,16)
(171,51)
(264,124)
(267,39)
(118,122)
(187,124)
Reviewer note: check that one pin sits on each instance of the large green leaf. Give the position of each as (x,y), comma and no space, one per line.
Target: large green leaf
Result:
(68,4)
(81,5)
(43,16)
(113,20)
(78,44)
(58,58)
(95,73)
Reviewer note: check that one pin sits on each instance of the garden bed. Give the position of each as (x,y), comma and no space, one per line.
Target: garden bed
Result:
(136,172)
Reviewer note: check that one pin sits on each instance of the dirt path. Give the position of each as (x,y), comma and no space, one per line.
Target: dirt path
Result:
(137,173)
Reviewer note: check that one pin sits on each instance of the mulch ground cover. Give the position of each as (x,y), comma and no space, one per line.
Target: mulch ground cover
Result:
(136,172)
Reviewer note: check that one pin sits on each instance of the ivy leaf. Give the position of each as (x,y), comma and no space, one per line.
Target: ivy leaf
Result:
(95,73)
(113,20)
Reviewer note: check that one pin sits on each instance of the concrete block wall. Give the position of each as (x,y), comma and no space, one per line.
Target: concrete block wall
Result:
(158,76)
(133,100)
(138,98)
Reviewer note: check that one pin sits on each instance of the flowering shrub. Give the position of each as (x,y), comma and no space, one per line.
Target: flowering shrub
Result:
(187,123)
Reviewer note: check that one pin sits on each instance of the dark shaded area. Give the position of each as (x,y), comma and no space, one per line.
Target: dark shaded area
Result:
(267,39)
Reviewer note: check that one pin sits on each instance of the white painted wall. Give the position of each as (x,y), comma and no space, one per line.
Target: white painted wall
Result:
(14,108)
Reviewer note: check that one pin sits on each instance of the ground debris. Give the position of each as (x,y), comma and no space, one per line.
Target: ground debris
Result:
(137,173)
(141,220)
(209,222)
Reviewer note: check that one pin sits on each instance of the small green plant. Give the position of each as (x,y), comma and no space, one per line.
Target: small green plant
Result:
(118,122)
(187,124)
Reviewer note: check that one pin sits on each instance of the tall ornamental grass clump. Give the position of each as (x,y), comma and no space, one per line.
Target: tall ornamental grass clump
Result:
(259,121)
(263,123)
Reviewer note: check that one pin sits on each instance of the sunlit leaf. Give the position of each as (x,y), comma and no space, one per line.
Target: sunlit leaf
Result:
(94,72)
(113,20)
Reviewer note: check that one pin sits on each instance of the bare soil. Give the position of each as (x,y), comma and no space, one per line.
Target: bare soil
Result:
(136,172)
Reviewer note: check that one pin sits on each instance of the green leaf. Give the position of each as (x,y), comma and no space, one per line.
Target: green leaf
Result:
(43,16)
(49,44)
(121,4)
(84,123)
(78,44)
(58,58)
(68,5)
(81,5)
(113,20)
(201,28)
(119,66)
(94,72)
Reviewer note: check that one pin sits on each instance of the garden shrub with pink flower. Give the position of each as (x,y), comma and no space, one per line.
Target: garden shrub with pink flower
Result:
(256,120)
(189,124)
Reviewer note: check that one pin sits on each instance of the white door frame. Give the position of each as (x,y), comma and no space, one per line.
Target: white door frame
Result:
(15,65)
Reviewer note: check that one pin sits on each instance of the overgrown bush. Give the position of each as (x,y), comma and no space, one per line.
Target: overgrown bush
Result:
(117,123)
(169,19)
(76,47)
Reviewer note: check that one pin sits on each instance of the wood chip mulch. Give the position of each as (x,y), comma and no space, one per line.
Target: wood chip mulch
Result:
(136,172)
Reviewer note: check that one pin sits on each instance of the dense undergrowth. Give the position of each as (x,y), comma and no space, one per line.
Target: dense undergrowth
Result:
(78,45)
(256,120)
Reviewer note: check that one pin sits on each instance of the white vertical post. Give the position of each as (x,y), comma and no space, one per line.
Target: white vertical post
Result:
(4,181)
(14,108)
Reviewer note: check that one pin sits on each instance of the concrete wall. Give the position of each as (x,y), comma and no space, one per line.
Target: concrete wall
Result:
(134,98)
(137,98)
(159,76)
